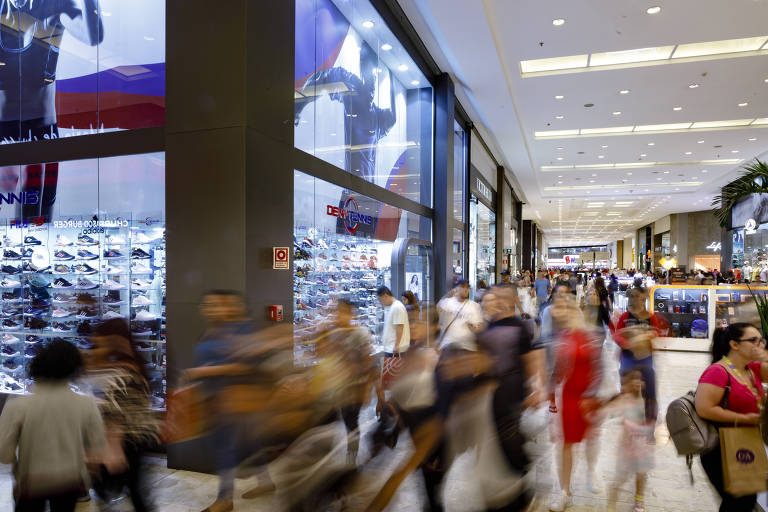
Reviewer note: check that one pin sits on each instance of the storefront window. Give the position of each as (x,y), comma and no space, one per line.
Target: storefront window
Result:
(83,242)
(76,71)
(343,248)
(458,255)
(362,104)
(482,245)
(459,170)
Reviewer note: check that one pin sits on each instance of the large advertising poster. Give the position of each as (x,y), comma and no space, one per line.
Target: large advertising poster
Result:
(77,67)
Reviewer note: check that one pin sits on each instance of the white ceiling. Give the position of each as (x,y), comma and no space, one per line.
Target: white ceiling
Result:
(481,43)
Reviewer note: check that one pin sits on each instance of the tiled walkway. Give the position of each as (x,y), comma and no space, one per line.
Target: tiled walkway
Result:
(669,486)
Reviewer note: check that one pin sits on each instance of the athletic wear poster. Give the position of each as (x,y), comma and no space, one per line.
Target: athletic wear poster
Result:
(78,67)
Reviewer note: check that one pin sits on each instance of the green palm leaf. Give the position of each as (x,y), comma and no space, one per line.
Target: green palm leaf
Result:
(754,180)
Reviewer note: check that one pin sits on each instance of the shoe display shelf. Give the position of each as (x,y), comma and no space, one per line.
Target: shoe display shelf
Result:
(328,266)
(61,279)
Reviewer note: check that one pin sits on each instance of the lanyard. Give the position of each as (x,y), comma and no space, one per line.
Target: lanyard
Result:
(745,381)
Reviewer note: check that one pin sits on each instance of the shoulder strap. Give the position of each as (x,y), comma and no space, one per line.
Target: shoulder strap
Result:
(451,322)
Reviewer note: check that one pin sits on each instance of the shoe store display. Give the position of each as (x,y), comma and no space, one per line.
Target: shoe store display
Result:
(67,280)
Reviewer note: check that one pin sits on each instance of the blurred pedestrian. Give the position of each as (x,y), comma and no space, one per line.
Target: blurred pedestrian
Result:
(543,288)
(117,373)
(577,369)
(217,368)
(47,434)
(634,458)
(411,303)
(460,319)
(395,336)
(635,332)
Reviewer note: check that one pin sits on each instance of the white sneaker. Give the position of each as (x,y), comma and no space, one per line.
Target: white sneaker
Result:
(63,241)
(110,315)
(115,240)
(593,484)
(142,238)
(145,316)
(560,501)
(141,300)
(109,284)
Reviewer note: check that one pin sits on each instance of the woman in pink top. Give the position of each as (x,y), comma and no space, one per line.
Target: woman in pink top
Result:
(736,350)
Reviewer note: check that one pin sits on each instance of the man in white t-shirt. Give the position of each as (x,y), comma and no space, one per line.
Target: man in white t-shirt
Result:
(460,318)
(396,336)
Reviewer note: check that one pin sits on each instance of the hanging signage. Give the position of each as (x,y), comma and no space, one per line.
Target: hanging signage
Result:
(280,256)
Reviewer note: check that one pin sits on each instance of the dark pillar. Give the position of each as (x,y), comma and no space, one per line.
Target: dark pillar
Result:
(443,234)
(528,245)
(501,214)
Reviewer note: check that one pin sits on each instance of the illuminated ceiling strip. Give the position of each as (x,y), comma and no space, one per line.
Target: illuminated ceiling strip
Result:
(649,129)
(635,165)
(641,57)
(625,185)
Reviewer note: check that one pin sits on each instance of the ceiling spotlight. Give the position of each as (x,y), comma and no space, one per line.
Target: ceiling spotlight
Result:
(414,82)
(666,172)
(699,142)
(386,47)
(601,156)
(743,104)
(693,86)
(653,10)
(559,148)
(677,109)
(604,146)
(368,24)
(402,67)
(559,158)
(753,139)
(624,91)
(559,117)
(559,97)
(629,174)
(558,22)
(704,171)
(559,182)
(689,152)
(734,151)
(651,143)
(617,113)
(643,155)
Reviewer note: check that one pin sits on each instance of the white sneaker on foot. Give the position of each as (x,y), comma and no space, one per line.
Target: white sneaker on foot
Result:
(593,484)
(560,501)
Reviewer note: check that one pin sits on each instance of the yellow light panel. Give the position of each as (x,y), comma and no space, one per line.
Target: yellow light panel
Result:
(747,44)
(662,127)
(721,124)
(554,64)
(611,129)
(630,56)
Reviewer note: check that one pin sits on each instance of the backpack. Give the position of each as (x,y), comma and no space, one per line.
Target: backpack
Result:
(691,434)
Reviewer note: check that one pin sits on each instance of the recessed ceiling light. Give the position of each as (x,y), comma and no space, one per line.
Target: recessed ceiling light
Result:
(624,91)
(643,155)
(629,174)
(402,67)
(666,172)
(617,113)
(559,158)
(149,38)
(386,47)
(693,86)
(560,176)
(677,109)
(653,10)
(559,97)
(689,152)
(766,80)
(752,139)
(604,146)
(699,142)
(559,148)
(558,22)
(658,179)
(368,24)
(704,171)
(594,175)
(414,82)
(559,117)
(601,156)
(651,143)
(591,181)
(734,151)
(743,104)
(559,182)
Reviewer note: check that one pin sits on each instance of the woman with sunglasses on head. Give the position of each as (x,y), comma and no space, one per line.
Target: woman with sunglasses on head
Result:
(736,354)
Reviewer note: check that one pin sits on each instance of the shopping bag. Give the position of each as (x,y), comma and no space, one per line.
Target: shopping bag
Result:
(744,461)
(185,416)
(390,370)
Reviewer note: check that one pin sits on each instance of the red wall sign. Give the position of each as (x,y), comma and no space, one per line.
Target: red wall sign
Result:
(280,257)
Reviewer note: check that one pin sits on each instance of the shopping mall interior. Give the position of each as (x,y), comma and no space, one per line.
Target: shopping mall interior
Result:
(257,253)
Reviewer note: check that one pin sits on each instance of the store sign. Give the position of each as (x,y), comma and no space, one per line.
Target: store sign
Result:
(350,215)
(715,246)
(483,189)
(280,257)
(750,227)
(21,198)
(668,263)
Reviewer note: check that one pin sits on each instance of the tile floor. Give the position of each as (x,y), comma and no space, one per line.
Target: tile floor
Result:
(669,486)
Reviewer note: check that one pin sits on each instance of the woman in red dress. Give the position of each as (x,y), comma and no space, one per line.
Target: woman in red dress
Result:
(578,369)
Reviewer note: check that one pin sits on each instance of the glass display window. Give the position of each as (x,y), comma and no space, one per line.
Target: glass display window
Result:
(458,255)
(482,245)
(361,102)
(343,248)
(685,309)
(736,304)
(82,242)
(80,67)
(459,170)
